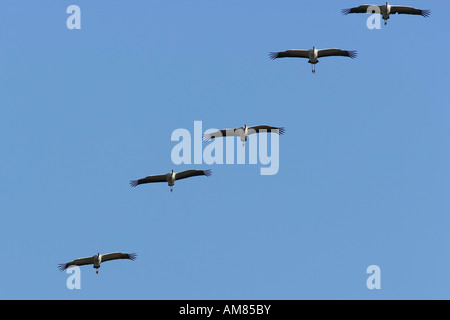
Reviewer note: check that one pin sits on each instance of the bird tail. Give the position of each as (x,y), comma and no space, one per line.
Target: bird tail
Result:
(207,172)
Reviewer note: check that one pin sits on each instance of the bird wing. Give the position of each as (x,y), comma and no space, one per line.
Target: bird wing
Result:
(266,128)
(192,173)
(149,179)
(220,133)
(118,255)
(76,262)
(361,9)
(409,10)
(290,54)
(336,52)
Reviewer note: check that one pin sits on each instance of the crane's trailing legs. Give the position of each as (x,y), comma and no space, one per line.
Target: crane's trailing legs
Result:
(313,65)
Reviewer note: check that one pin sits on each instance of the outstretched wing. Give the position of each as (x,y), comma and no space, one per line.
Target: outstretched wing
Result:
(360,9)
(266,128)
(192,173)
(149,179)
(409,10)
(290,54)
(336,52)
(118,255)
(220,133)
(76,262)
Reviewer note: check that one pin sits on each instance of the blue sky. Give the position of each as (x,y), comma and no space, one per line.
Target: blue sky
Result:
(363,179)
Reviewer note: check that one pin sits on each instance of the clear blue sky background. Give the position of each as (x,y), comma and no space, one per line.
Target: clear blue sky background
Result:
(364,165)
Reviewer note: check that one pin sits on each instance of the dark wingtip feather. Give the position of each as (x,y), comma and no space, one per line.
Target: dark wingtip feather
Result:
(133,183)
(352,54)
(207,172)
(273,55)
(62,266)
(426,13)
(345,11)
(132,256)
(281,130)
